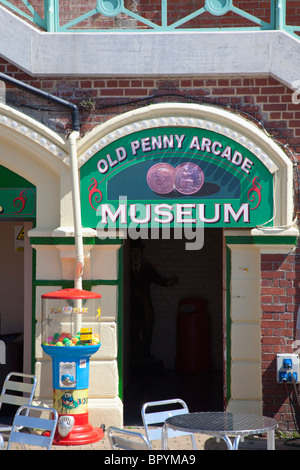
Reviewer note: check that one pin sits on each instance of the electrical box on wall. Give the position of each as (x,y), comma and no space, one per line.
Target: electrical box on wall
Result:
(287,364)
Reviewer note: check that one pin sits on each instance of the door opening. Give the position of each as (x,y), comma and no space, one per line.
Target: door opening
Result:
(15,295)
(173,324)
(12,295)
(17,217)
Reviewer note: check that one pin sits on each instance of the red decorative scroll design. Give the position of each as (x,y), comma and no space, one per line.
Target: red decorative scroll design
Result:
(20,202)
(254,192)
(94,193)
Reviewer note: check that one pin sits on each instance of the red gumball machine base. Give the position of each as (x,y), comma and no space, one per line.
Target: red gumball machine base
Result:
(81,433)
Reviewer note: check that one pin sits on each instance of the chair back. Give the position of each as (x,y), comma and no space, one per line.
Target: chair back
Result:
(122,439)
(18,389)
(155,414)
(34,426)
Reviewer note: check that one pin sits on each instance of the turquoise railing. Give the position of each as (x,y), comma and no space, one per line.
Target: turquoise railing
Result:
(49,19)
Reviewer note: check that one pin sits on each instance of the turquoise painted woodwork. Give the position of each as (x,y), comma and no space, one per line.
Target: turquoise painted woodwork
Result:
(50,21)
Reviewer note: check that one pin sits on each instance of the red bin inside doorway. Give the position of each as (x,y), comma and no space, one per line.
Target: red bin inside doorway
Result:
(193,347)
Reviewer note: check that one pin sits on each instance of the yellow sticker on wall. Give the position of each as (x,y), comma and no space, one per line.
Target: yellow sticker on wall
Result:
(19,238)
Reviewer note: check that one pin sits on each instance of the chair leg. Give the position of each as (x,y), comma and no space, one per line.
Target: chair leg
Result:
(232,445)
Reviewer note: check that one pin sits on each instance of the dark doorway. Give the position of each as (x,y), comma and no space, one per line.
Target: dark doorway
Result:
(186,312)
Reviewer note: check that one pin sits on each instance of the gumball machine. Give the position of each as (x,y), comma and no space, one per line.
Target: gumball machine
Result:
(71,335)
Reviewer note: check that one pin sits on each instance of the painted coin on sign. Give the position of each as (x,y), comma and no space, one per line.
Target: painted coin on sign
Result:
(160,178)
(188,178)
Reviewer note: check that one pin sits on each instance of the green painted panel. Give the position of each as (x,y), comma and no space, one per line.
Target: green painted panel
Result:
(9,179)
(17,196)
(175,176)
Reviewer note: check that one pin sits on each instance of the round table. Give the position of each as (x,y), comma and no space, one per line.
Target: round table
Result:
(223,425)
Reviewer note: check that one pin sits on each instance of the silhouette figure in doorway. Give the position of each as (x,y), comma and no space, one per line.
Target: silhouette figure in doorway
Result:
(142,311)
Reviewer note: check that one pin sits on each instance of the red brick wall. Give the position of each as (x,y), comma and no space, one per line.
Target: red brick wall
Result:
(280,275)
(261,98)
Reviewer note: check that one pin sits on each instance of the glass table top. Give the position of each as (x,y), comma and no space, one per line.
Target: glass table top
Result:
(222,423)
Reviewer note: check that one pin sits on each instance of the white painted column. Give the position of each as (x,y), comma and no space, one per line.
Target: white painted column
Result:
(101,263)
(245,313)
(27,299)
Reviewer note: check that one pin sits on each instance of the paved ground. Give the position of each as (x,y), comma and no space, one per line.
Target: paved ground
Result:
(203,442)
(183,443)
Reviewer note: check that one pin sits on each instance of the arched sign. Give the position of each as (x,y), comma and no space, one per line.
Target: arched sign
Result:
(177,176)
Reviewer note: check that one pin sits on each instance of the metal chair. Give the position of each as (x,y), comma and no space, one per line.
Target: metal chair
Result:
(18,389)
(122,439)
(31,427)
(156,412)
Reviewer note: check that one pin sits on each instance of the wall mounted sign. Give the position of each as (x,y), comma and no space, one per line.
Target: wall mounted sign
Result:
(17,203)
(176,176)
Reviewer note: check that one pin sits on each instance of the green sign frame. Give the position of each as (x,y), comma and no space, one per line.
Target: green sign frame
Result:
(235,188)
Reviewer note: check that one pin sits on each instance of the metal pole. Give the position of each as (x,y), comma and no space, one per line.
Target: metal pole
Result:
(47,96)
(76,210)
(280,14)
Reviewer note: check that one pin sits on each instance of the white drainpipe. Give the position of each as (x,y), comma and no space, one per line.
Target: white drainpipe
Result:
(73,164)
(76,210)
